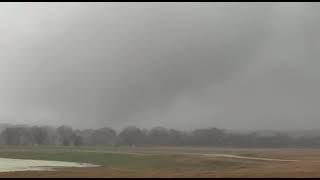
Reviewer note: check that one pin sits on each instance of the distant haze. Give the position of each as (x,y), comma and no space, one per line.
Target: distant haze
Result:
(178,65)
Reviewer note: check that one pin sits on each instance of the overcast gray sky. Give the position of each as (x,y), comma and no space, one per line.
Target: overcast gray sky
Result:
(179,65)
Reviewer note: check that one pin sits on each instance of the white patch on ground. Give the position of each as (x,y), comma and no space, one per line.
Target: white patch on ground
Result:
(8,165)
(245,157)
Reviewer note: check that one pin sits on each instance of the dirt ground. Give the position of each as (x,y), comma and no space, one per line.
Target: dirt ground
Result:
(288,169)
(308,165)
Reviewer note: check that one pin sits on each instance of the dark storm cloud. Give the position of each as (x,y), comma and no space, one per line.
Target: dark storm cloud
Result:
(146,64)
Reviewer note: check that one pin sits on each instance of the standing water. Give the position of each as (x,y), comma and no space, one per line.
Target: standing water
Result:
(7,165)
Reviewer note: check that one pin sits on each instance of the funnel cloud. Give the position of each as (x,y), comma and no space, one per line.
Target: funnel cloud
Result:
(178,65)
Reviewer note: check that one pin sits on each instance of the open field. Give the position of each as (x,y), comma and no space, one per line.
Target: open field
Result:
(170,161)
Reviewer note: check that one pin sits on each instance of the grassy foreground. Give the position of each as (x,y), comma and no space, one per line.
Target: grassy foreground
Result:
(168,162)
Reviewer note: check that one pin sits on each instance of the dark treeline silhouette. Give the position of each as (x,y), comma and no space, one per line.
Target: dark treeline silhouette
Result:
(158,136)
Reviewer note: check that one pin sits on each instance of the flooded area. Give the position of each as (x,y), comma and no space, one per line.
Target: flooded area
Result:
(8,165)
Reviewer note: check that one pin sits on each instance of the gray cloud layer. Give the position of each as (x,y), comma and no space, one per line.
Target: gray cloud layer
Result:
(181,65)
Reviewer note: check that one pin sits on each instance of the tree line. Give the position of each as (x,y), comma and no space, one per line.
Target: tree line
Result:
(158,136)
